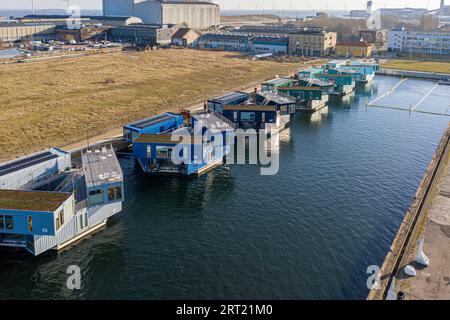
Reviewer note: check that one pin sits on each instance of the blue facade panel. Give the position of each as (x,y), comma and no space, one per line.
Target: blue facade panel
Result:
(155,125)
(42,223)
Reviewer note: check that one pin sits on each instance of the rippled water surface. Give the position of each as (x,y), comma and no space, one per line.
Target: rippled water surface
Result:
(346,179)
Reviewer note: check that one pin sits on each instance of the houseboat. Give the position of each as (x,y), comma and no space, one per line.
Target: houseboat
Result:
(187,150)
(54,207)
(157,124)
(274,84)
(233,98)
(312,94)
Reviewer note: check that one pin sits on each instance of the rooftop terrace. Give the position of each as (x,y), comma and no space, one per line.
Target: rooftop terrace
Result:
(101,166)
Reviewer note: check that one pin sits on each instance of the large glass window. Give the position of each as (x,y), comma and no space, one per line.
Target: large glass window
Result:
(2,222)
(95,197)
(115,193)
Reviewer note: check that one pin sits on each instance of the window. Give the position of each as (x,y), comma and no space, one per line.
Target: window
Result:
(58,224)
(30,223)
(164,152)
(6,222)
(61,217)
(95,197)
(115,193)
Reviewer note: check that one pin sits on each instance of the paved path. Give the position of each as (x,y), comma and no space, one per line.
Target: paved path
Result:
(433,282)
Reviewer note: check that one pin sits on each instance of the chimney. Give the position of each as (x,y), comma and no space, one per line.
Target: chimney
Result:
(369,7)
(442,8)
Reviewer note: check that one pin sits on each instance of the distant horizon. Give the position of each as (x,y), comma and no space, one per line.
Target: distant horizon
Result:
(237,5)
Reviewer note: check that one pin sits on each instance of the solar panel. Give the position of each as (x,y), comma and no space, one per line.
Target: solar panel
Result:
(230,96)
(26,162)
(148,122)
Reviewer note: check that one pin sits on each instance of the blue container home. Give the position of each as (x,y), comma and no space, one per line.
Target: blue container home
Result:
(198,151)
(233,98)
(154,125)
(56,212)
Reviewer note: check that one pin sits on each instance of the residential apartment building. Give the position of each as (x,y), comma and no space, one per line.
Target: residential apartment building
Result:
(419,41)
(314,42)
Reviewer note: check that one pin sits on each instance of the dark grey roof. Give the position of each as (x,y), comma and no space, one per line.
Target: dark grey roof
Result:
(271,40)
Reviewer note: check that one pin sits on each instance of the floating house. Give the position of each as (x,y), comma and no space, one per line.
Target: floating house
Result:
(232,98)
(274,84)
(157,124)
(187,150)
(313,93)
(335,64)
(54,216)
(284,103)
(34,168)
(344,82)
(364,69)
(367,70)
(310,72)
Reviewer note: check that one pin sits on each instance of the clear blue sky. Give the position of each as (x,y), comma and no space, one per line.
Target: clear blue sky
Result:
(240,4)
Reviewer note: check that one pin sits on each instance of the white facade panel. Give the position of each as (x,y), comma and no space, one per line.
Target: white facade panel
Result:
(97,215)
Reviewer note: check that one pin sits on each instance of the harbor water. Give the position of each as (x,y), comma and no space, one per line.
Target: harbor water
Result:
(346,179)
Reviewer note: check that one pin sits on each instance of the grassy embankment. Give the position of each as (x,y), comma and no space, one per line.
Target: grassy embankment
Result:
(418,65)
(56,103)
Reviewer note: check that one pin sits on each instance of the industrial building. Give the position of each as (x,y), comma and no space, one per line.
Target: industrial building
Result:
(199,15)
(273,45)
(312,41)
(145,34)
(223,42)
(419,41)
(19,31)
(84,33)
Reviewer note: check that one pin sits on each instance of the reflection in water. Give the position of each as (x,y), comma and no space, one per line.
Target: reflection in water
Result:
(345,182)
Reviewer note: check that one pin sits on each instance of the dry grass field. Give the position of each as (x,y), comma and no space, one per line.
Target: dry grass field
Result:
(56,103)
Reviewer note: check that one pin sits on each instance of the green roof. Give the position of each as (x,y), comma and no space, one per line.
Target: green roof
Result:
(40,201)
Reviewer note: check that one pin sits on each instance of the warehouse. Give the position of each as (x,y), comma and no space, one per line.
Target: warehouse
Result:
(151,34)
(199,15)
(270,45)
(16,31)
(224,42)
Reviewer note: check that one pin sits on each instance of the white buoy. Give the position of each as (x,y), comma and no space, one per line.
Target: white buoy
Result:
(391,293)
(410,271)
(421,257)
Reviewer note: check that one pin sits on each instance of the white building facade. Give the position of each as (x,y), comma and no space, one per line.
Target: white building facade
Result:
(418,41)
